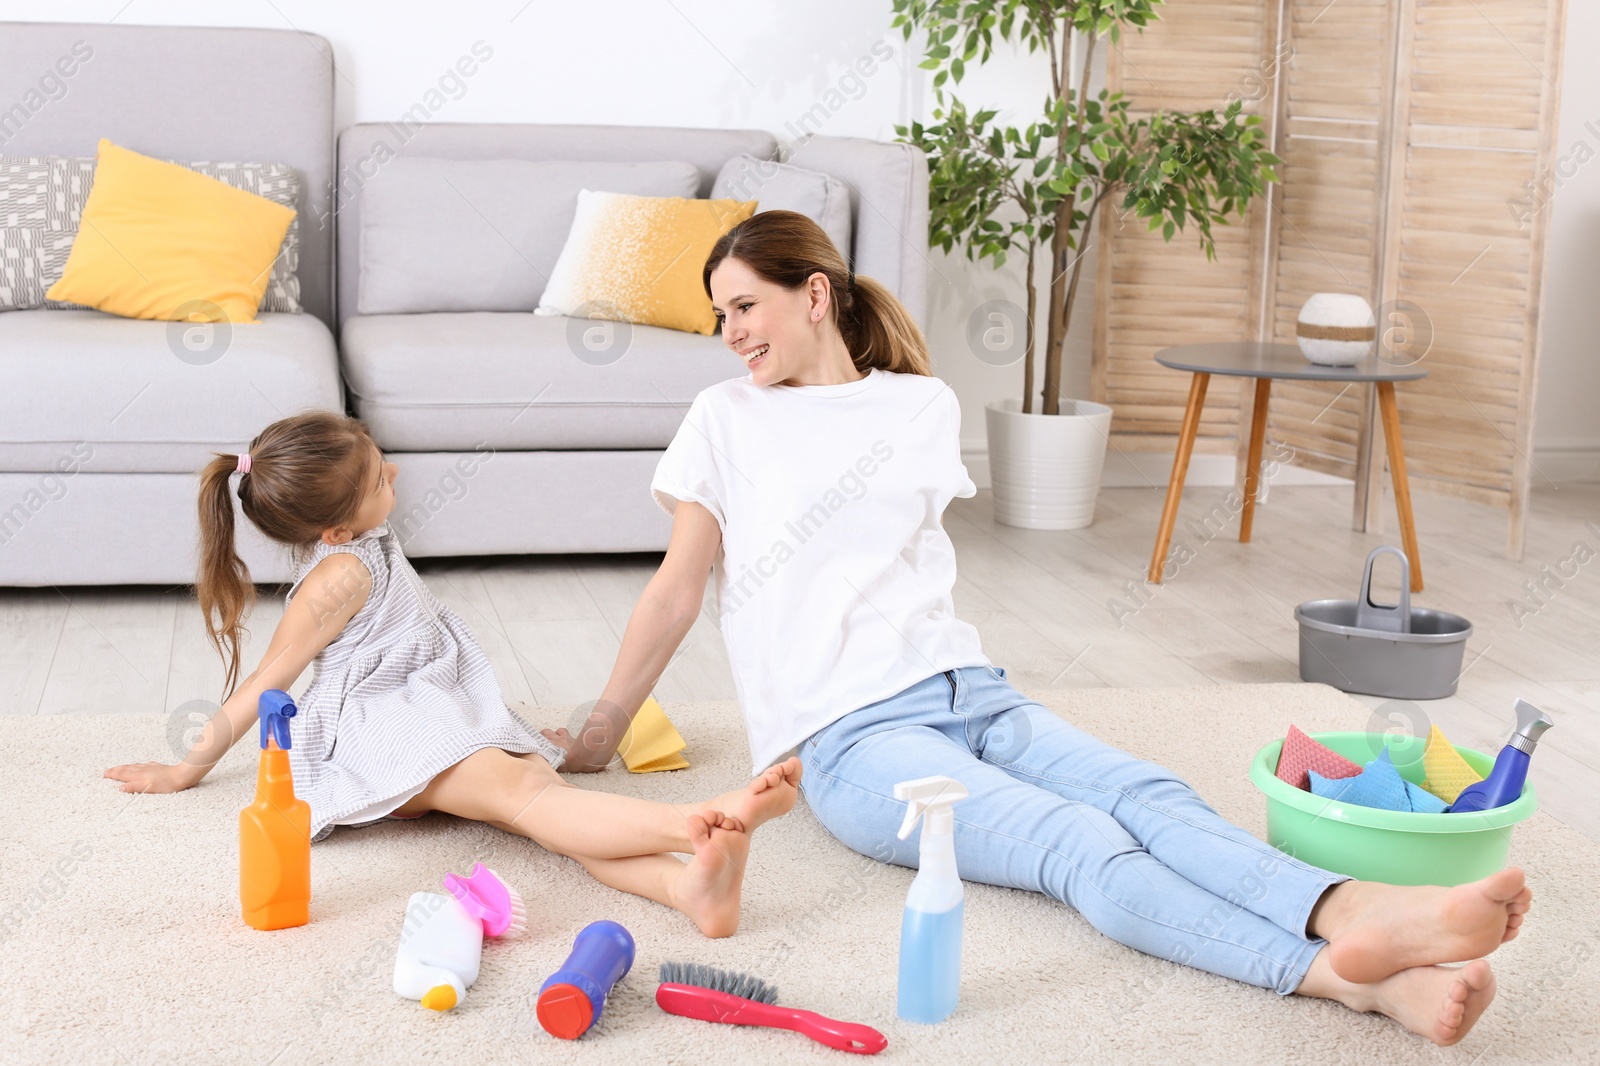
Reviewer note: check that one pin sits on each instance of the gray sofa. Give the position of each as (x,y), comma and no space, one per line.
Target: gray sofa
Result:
(510,436)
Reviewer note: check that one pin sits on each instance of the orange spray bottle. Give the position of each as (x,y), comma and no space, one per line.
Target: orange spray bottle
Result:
(275,830)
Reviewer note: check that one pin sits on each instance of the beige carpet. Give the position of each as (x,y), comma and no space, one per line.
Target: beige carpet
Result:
(121,940)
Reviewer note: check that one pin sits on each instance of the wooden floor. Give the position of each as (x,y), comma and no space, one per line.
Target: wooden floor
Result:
(1055,609)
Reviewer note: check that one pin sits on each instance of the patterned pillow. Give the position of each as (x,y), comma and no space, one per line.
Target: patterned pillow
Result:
(41,201)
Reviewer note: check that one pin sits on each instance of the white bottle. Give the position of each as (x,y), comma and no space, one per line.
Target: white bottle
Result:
(930,932)
(441,946)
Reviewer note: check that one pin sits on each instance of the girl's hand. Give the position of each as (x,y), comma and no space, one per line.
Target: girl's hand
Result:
(581,758)
(595,744)
(151,777)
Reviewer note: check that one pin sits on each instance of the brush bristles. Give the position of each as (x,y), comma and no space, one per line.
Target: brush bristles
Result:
(730,981)
(519,916)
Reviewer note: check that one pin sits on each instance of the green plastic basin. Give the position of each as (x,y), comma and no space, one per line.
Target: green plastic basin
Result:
(1397,847)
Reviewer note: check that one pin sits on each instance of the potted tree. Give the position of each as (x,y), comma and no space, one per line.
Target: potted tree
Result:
(996,189)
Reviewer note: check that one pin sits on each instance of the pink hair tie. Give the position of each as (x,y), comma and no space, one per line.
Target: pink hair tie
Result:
(244,463)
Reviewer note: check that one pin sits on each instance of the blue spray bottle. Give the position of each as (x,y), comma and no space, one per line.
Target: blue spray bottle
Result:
(930,933)
(1505,781)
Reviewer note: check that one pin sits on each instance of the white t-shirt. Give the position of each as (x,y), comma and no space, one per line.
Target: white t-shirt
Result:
(834,577)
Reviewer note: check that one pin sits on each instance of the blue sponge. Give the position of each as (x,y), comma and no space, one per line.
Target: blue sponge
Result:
(1378,785)
(1423,801)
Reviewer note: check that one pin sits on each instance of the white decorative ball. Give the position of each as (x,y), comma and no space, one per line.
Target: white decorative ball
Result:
(1336,329)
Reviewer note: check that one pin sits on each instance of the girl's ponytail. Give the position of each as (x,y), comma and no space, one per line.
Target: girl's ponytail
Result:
(224,587)
(786,248)
(305,474)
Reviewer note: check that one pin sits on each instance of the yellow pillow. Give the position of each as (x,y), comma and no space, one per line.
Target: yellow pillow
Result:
(159,241)
(638,259)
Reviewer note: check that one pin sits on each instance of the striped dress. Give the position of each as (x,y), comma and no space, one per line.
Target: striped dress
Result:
(402,693)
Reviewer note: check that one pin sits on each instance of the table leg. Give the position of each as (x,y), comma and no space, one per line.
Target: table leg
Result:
(1180,469)
(1402,486)
(1252,473)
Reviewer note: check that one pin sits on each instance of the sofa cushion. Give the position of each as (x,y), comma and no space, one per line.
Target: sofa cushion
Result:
(454,382)
(152,396)
(641,259)
(157,240)
(482,234)
(822,198)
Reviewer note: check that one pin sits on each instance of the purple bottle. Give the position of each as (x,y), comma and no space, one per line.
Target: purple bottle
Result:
(573,997)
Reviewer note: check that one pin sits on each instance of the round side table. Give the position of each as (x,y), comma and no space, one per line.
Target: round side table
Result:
(1263,361)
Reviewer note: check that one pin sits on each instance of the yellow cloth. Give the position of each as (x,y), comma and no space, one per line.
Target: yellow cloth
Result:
(160,241)
(652,743)
(638,259)
(1447,773)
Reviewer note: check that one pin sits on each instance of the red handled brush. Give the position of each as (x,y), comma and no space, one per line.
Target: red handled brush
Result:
(713,995)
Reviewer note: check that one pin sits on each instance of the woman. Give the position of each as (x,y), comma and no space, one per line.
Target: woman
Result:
(815,488)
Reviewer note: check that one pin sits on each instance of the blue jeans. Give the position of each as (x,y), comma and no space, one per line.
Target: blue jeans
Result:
(1122,841)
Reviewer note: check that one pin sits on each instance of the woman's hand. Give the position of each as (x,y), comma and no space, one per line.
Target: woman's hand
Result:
(666,610)
(152,777)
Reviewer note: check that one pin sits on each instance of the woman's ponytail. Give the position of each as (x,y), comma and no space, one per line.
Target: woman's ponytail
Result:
(787,248)
(224,587)
(879,332)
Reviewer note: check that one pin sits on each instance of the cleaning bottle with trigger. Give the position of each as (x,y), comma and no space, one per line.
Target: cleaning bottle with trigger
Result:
(1510,772)
(275,830)
(930,932)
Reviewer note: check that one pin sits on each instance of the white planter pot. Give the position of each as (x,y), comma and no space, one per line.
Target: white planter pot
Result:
(1045,469)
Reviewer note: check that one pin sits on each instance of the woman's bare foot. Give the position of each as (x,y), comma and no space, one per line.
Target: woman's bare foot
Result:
(1375,930)
(1442,1003)
(709,887)
(769,795)
(1515,912)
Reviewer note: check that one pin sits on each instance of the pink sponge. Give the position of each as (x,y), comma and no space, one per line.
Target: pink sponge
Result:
(1301,753)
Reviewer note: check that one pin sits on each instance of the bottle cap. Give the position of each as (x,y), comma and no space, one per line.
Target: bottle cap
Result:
(1531,724)
(276,707)
(565,1011)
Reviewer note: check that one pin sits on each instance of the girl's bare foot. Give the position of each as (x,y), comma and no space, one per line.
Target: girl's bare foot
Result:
(1442,1003)
(1375,929)
(770,794)
(709,887)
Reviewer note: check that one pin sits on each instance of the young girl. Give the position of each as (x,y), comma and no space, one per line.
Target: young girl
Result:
(815,488)
(404,715)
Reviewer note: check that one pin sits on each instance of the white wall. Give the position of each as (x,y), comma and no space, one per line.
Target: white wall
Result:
(764,63)
(1567,409)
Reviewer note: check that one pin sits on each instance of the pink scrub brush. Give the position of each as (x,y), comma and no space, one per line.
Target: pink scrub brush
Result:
(490,900)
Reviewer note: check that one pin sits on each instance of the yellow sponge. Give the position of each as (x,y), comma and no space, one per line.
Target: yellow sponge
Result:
(1447,772)
(652,743)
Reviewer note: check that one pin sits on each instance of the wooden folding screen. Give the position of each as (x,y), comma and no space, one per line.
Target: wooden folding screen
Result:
(1418,139)
(1150,294)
